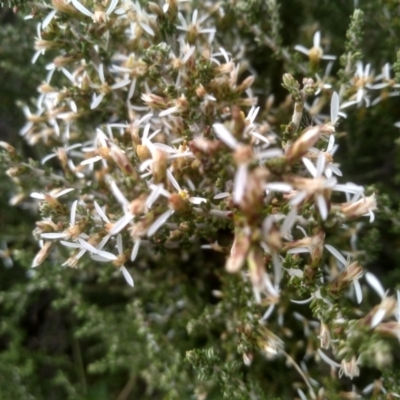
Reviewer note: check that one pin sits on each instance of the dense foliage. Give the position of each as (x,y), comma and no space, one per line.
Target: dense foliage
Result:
(184,168)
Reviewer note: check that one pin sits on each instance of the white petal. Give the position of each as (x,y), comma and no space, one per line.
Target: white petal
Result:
(54,235)
(38,196)
(121,224)
(225,135)
(327,359)
(111,7)
(174,182)
(101,213)
(222,195)
(119,244)
(288,221)
(197,200)
(48,18)
(239,185)
(301,301)
(160,221)
(82,9)
(127,276)
(317,39)
(135,249)
(87,246)
(373,281)
(302,49)
(73,212)
(279,187)
(268,313)
(378,317)
(336,253)
(62,192)
(96,101)
(70,244)
(120,84)
(358,290)
(310,166)
(106,255)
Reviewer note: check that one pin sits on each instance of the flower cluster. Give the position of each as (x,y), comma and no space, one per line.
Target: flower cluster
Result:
(156,141)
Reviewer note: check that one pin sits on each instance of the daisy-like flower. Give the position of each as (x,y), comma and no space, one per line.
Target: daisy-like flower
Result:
(118,261)
(350,274)
(51,198)
(316,53)
(99,15)
(362,81)
(243,155)
(347,368)
(104,88)
(331,167)
(193,28)
(318,187)
(73,232)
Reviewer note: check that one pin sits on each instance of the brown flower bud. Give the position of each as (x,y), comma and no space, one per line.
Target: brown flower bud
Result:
(307,139)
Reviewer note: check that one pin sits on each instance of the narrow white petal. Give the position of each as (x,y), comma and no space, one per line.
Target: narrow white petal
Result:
(96,101)
(111,7)
(320,164)
(270,153)
(288,221)
(73,212)
(127,276)
(317,39)
(106,255)
(38,196)
(268,313)
(302,49)
(159,222)
(358,290)
(135,249)
(225,135)
(334,107)
(100,258)
(298,198)
(328,360)
(197,200)
(222,195)
(82,9)
(120,84)
(121,224)
(322,206)
(87,246)
(279,187)
(298,250)
(260,137)
(91,160)
(239,185)
(147,28)
(174,182)
(62,192)
(101,213)
(70,244)
(48,19)
(336,253)
(54,235)
(302,301)
(373,281)
(378,317)
(119,244)
(103,242)
(310,166)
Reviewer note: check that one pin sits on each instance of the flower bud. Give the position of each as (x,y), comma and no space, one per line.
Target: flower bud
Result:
(299,148)
(239,251)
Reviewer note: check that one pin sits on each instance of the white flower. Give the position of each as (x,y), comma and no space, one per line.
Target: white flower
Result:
(315,53)
(98,16)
